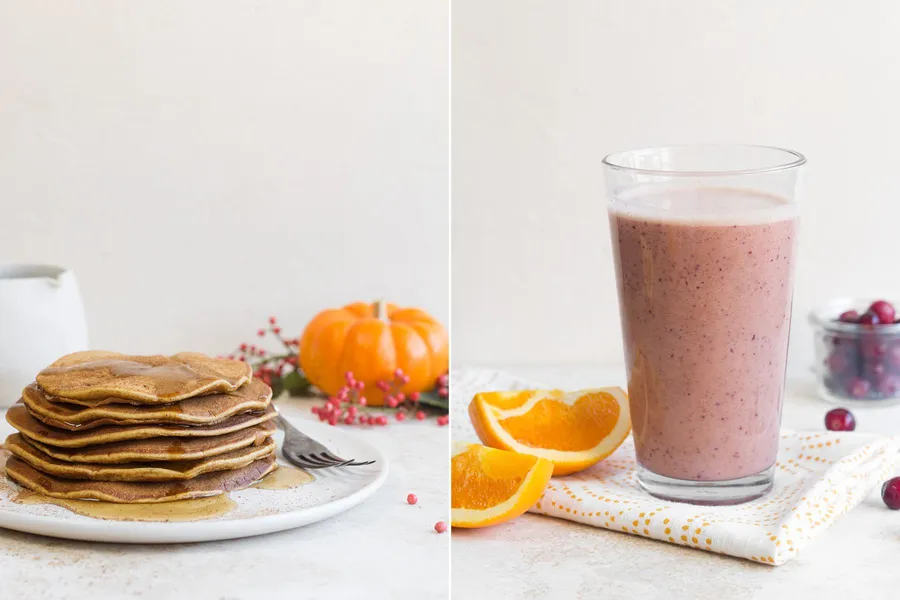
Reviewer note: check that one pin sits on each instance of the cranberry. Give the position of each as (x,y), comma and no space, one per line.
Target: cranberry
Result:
(859,388)
(890,493)
(837,362)
(849,316)
(884,310)
(893,356)
(869,318)
(440,527)
(839,419)
(412,499)
(872,346)
(889,386)
(876,372)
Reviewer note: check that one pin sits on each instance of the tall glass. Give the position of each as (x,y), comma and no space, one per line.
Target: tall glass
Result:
(704,242)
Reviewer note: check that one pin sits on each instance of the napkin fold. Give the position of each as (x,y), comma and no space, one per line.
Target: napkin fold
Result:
(819,476)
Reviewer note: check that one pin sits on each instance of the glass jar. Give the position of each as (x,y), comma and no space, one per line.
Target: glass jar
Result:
(855,364)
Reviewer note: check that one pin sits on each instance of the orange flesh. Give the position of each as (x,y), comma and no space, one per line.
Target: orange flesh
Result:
(482,481)
(558,426)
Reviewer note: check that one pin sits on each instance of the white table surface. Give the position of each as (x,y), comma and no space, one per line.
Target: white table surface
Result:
(383,548)
(539,557)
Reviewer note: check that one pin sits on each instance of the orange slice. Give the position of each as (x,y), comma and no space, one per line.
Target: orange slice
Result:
(574,430)
(490,486)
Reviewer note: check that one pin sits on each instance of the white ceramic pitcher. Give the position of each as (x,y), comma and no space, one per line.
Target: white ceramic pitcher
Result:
(41,319)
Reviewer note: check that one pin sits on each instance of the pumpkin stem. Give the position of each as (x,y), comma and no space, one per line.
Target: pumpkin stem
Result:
(380,310)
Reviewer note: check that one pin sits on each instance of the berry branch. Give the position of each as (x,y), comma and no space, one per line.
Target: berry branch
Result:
(281,371)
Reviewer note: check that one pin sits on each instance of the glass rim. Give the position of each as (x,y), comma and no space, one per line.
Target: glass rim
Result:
(796,160)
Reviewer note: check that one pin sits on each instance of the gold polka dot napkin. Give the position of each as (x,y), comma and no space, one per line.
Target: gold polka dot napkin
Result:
(819,476)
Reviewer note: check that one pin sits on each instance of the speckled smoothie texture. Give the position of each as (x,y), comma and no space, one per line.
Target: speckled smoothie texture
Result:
(705,298)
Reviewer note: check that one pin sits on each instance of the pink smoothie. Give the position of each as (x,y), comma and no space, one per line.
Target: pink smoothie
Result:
(705,287)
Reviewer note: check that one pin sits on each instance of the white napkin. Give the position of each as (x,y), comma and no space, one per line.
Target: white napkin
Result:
(820,475)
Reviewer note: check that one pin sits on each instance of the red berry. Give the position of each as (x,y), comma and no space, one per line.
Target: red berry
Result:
(859,388)
(244,347)
(883,310)
(840,419)
(872,346)
(411,499)
(370,420)
(420,416)
(849,316)
(276,330)
(349,378)
(889,386)
(893,356)
(443,420)
(260,352)
(869,318)
(837,362)
(348,420)
(414,396)
(362,401)
(382,385)
(398,373)
(351,410)
(392,402)
(360,385)
(405,379)
(315,410)
(261,332)
(443,392)
(333,419)
(242,359)
(381,420)
(400,416)
(440,527)
(272,320)
(890,493)
(400,396)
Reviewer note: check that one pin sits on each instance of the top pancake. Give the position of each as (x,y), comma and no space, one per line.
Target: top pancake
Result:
(96,374)
(201,410)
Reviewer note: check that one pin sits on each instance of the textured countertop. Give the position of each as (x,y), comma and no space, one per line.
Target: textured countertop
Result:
(539,557)
(383,548)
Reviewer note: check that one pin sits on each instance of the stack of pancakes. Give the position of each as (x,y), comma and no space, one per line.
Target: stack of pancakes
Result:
(139,429)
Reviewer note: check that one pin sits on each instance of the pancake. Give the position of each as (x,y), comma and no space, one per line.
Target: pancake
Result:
(144,379)
(19,417)
(160,449)
(200,410)
(138,493)
(158,471)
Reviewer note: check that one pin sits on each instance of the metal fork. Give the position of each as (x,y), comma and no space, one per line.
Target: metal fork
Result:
(306,452)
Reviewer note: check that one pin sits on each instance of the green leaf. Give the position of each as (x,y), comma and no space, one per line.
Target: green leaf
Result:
(277,387)
(296,384)
(431,399)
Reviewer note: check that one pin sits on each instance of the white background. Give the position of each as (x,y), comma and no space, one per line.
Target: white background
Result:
(202,165)
(543,90)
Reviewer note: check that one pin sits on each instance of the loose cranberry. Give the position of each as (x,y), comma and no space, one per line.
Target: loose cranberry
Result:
(411,499)
(400,416)
(859,388)
(420,415)
(849,316)
(440,527)
(890,493)
(884,310)
(869,318)
(840,419)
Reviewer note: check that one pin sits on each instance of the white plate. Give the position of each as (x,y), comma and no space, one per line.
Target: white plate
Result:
(258,511)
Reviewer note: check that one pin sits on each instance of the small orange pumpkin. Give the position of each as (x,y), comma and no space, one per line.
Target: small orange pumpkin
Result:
(372,341)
